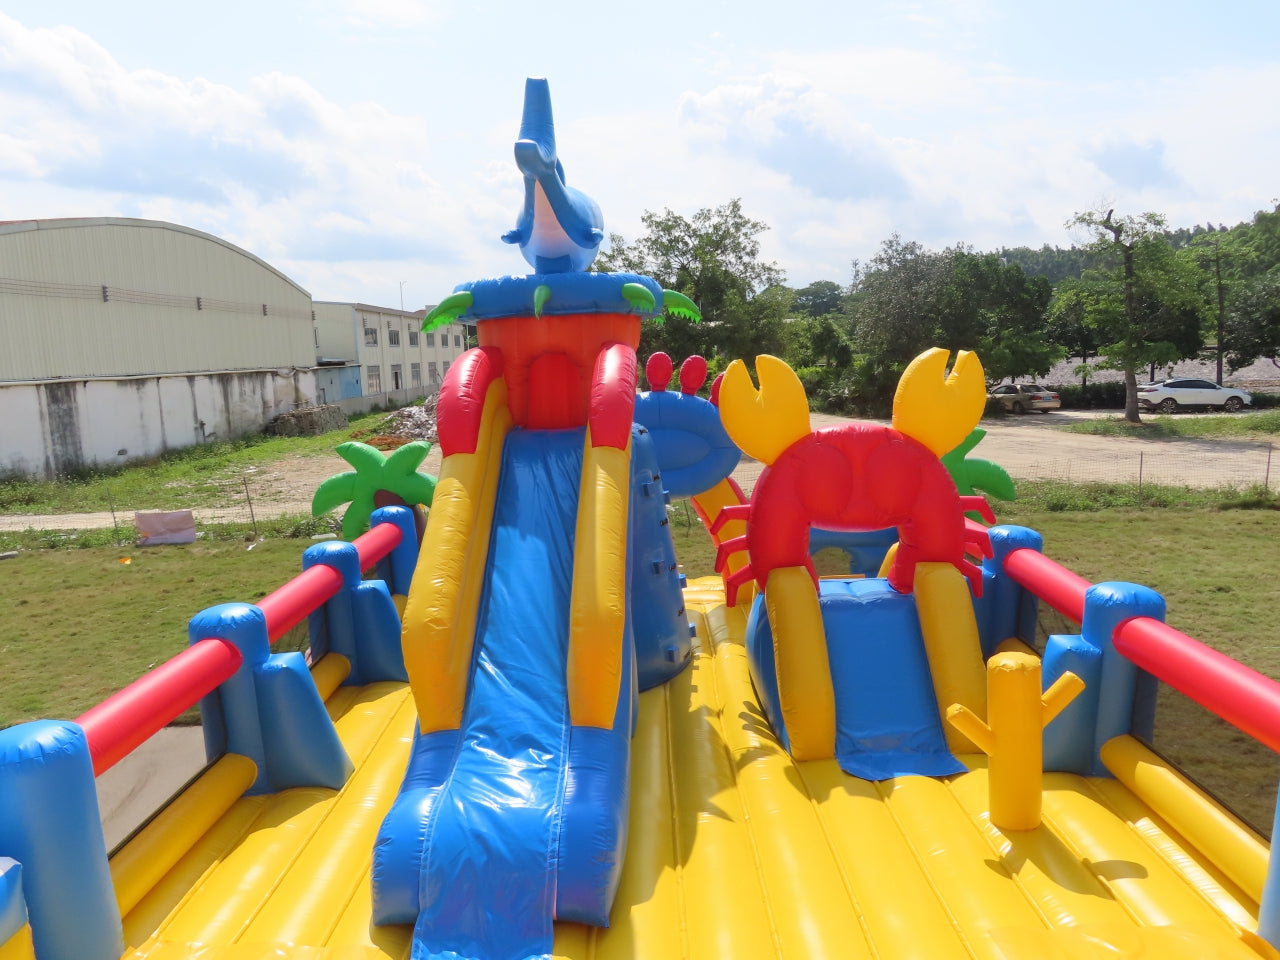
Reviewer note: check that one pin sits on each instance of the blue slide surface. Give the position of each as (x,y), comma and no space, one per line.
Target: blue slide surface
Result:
(887,720)
(488,869)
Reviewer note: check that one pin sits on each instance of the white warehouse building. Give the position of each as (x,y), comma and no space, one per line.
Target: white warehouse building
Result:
(125,338)
(122,339)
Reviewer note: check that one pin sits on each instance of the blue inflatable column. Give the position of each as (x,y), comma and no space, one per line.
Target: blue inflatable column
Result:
(359,621)
(269,710)
(658,620)
(1005,608)
(49,823)
(1106,606)
(397,567)
(1269,908)
(1068,739)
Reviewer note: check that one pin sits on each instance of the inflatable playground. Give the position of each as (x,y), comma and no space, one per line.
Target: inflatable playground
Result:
(520,733)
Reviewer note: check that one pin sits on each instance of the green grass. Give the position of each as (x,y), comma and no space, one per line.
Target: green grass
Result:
(81,624)
(206,475)
(1262,425)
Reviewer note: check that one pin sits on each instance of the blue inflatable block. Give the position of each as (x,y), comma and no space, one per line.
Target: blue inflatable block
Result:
(1068,739)
(593,832)
(402,840)
(764,672)
(49,823)
(403,559)
(300,743)
(13,905)
(379,654)
(887,720)
(1005,608)
(1106,606)
(659,623)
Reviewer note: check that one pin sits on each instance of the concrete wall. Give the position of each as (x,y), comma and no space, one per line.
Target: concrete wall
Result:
(57,427)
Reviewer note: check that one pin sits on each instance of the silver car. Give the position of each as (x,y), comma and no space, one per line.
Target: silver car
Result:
(1021,397)
(1169,396)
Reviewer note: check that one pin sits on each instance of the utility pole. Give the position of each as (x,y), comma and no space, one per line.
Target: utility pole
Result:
(402,283)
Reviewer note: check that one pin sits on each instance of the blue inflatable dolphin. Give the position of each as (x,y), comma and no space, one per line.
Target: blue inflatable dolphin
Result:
(559,228)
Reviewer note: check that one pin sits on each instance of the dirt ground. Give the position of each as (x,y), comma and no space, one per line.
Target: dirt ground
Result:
(1028,447)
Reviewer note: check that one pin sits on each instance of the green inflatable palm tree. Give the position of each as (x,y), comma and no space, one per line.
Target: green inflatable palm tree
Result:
(972,474)
(377,481)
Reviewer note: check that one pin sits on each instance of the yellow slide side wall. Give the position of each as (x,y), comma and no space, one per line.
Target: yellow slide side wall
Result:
(598,604)
(951,642)
(1231,847)
(440,615)
(800,654)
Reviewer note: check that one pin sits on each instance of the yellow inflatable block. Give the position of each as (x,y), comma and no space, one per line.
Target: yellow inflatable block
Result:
(805,689)
(598,603)
(438,626)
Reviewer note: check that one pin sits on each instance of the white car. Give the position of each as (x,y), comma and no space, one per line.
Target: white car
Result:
(1170,395)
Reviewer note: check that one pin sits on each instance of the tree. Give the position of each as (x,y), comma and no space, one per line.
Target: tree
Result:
(819,299)
(993,307)
(712,258)
(910,299)
(1146,306)
(1251,327)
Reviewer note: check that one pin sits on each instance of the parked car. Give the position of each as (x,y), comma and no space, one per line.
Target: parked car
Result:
(1169,395)
(1021,397)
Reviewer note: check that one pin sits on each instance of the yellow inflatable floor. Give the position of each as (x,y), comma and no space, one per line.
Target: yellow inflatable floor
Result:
(735,851)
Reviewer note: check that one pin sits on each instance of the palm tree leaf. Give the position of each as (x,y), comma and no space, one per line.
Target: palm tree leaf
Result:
(415,488)
(991,478)
(334,492)
(366,459)
(406,459)
(356,520)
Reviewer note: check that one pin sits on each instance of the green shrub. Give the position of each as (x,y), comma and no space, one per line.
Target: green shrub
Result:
(1108,395)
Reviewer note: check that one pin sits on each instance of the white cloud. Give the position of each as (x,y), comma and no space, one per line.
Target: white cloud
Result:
(276,167)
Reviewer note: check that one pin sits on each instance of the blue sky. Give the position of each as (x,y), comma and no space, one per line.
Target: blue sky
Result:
(364,146)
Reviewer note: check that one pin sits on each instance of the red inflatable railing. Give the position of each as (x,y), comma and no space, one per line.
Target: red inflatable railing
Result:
(1243,697)
(128,718)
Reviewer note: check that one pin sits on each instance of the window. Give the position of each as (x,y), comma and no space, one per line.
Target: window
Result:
(393,338)
(371,337)
(413,338)
(415,373)
(457,339)
(396,381)
(316,332)
(431,339)
(433,370)
(373,380)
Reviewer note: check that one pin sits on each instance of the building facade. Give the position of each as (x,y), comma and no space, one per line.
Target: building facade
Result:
(126,338)
(391,358)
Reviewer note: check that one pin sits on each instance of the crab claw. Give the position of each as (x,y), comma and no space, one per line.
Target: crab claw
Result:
(935,409)
(973,573)
(978,503)
(735,511)
(764,422)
